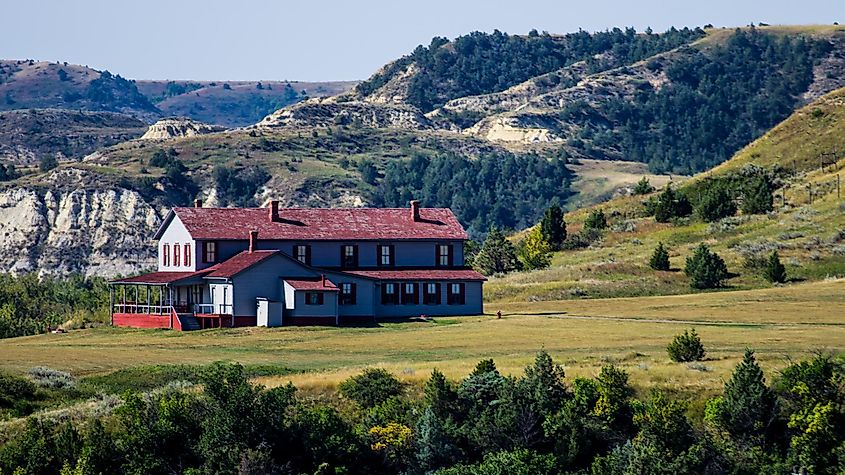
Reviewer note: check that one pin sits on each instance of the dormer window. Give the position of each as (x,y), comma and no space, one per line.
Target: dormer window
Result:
(209,252)
(177,255)
(187,248)
(443,255)
(386,255)
(349,255)
(302,253)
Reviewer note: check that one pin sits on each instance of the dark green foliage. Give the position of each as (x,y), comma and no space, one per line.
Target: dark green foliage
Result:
(16,393)
(481,63)
(369,172)
(669,205)
(517,462)
(553,227)
(436,444)
(28,305)
(774,271)
(180,188)
(440,394)
(596,220)
(660,258)
(643,187)
(757,196)
(48,162)
(508,191)
(705,269)
(734,91)
(113,93)
(370,388)
(8,172)
(686,347)
(715,203)
(239,186)
(496,256)
(747,410)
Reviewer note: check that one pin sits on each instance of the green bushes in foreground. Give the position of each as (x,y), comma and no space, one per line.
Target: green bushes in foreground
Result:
(539,422)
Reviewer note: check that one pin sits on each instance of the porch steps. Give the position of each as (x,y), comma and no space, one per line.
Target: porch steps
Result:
(188,322)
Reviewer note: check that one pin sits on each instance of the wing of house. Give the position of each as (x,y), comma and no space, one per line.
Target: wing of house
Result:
(296,266)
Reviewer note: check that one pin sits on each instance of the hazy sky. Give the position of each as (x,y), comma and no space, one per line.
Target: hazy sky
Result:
(324,39)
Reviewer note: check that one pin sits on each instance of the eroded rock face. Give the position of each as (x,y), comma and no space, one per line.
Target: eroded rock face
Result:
(178,127)
(331,112)
(94,232)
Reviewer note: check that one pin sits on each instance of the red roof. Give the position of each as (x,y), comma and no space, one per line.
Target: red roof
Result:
(420,274)
(340,224)
(238,263)
(312,284)
(160,277)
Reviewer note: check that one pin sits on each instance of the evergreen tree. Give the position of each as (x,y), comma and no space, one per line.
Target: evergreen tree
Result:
(534,252)
(496,256)
(553,226)
(775,271)
(686,347)
(435,447)
(660,258)
(643,187)
(716,203)
(671,204)
(596,220)
(748,408)
(758,197)
(48,162)
(705,269)
(440,396)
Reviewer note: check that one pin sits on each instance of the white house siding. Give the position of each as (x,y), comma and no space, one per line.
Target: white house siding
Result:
(176,233)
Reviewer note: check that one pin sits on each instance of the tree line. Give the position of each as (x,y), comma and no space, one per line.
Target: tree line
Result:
(480,63)
(539,422)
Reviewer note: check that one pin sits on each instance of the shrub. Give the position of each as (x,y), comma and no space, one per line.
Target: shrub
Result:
(774,271)
(669,205)
(48,162)
(50,378)
(596,220)
(705,269)
(643,187)
(757,197)
(686,347)
(15,392)
(534,251)
(715,204)
(660,259)
(371,388)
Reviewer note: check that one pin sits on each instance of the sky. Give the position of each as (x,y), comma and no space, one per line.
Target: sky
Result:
(319,40)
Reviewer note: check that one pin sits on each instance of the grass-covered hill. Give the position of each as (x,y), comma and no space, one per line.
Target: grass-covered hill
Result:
(810,237)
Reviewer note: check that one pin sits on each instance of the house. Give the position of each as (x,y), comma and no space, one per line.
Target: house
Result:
(231,267)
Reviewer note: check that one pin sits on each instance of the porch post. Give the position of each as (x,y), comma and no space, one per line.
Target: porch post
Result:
(160,299)
(111,304)
(147,289)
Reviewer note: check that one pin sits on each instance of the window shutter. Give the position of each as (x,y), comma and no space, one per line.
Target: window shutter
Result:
(307,254)
(451,255)
(354,293)
(392,254)
(355,255)
(437,298)
(436,255)
(416,294)
(384,293)
(462,297)
(342,256)
(320,298)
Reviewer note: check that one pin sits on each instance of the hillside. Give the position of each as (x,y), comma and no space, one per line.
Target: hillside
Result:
(27,84)
(232,103)
(810,237)
(26,136)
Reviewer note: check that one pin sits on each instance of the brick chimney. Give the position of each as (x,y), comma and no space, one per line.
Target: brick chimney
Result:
(274,211)
(197,203)
(415,210)
(253,241)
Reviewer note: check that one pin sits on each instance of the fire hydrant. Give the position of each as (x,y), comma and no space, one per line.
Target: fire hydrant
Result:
(499,315)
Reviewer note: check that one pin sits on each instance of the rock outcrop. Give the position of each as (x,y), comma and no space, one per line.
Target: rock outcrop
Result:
(333,112)
(174,127)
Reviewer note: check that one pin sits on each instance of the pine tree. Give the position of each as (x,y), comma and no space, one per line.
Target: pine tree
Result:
(534,251)
(686,347)
(435,448)
(716,203)
(671,204)
(747,408)
(705,269)
(496,256)
(758,197)
(643,187)
(775,272)
(596,220)
(440,395)
(660,259)
(553,226)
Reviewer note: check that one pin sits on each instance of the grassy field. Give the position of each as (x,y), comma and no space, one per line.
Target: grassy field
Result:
(781,324)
